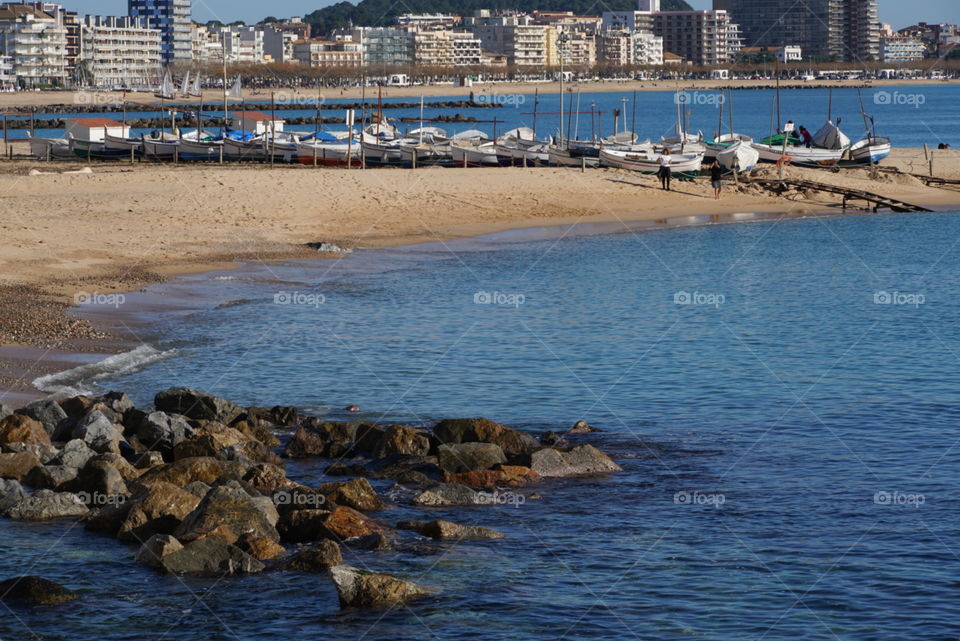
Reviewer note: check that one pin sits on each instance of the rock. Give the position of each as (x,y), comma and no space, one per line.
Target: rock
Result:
(399,465)
(148,459)
(441,494)
(367,437)
(198,488)
(210,556)
(45,453)
(98,432)
(101,481)
(468,430)
(400,439)
(582,459)
(51,477)
(205,469)
(119,402)
(160,510)
(18,428)
(75,453)
(301,526)
(251,451)
(469,457)
(266,478)
(502,476)
(122,465)
(5,411)
(374,541)
(266,505)
(257,433)
(153,551)
(582,427)
(34,590)
(351,408)
(197,405)
(11,493)
(209,440)
(44,505)
(305,443)
(447,530)
(76,406)
(260,548)
(344,523)
(358,588)
(162,432)
(316,558)
(552,439)
(346,469)
(47,413)
(230,506)
(17,466)
(357,494)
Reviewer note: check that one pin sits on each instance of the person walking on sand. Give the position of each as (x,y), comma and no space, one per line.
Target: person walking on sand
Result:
(716,179)
(665,172)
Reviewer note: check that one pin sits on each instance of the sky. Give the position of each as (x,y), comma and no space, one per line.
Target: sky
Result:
(899,13)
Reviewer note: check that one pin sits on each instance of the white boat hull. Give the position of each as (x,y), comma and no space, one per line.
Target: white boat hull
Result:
(682,165)
(808,156)
(870,151)
(484,155)
(740,156)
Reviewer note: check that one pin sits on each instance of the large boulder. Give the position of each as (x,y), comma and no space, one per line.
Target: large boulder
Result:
(357,494)
(344,523)
(444,494)
(75,453)
(469,457)
(302,526)
(100,481)
(400,439)
(399,466)
(11,493)
(447,530)
(205,469)
(16,466)
(159,510)
(34,590)
(18,428)
(154,549)
(316,558)
(500,476)
(99,432)
(46,412)
(44,505)
(306,442)
(260,548)
(229,506)
(576,461)
(51,477)
(197,405)
(210,556)
(358,588)
(162,432)
(468,430)
(209,440)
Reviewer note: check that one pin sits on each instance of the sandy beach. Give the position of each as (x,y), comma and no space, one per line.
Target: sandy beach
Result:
(123,226)
(11,101)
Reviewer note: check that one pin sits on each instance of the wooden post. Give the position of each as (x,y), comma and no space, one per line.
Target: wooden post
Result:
(464,159)
(363,158)
(49,153)
(220,149)
(132,157)
(926,153)
(176,155)
(5,144)
(583,164)
(314,155)
(413,159)
(931,162)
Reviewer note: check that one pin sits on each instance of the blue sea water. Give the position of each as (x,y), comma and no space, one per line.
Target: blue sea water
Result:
(910,115)
(782,396)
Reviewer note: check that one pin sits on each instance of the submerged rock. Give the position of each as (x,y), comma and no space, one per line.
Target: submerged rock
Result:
(469,457)
(197,405)
(441,494)
(582,427)
(34,590)
(447,530)
(582,459)
(358,588)
(210,556)
(316,558)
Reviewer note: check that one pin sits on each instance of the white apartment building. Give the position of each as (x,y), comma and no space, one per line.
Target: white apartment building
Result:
(619,48)
(467,50)
(427,21)
(647,48)
(789,53)
(243,45)
(8,79)
(516,36)
(119,52)
(902,49)
(327,53)
(206,45)
(37,44)
(443,48)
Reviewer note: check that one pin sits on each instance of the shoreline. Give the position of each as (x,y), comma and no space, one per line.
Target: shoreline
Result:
(455,204)
(50,98)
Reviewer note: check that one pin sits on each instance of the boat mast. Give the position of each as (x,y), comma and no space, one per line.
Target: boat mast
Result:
(536,104)
(730,109)
(863,113)
(225,114)
(633,120)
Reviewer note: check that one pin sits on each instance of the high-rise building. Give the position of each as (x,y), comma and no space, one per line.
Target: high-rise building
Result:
(172,18)
(702,37)
(119,52)
(35,44)
(514,35)
(825,29)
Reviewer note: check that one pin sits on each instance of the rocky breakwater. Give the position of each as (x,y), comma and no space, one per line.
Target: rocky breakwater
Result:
(197,485)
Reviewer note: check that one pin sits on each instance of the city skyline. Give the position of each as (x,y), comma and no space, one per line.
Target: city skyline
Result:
(893,12)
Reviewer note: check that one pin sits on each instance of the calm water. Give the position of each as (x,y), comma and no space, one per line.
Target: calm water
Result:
(788,438)
(909,114)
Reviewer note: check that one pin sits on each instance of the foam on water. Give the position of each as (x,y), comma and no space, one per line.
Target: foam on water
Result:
(83,379)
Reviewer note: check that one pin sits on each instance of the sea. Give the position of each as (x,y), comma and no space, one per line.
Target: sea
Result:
(911,115)
(781,392)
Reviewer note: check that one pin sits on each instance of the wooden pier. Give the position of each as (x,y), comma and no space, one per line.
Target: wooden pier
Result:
(929,181)
(874,201)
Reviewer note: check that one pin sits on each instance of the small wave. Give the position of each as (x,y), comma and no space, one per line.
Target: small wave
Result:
(83,379)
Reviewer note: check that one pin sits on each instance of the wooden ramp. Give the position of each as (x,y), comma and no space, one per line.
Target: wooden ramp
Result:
(874,201)
(929,181)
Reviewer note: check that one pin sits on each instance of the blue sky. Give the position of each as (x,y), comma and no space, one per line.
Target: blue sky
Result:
(897,12)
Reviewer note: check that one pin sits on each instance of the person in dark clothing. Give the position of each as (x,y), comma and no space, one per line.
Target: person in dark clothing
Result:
(716,179)
(806,136)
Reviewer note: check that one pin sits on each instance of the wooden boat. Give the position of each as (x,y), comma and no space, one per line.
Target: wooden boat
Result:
(329,150)
(163,146)
(713,148)
(575,153)
(827,153)
(646,161)
(200,148)
(51,148)
(472,149)
(739,155)
(122,146)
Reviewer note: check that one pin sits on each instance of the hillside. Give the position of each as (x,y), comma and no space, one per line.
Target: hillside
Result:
(381,12)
